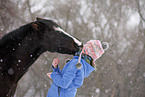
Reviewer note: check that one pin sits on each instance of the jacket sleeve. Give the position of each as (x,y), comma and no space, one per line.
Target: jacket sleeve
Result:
(56,69)
(65,80)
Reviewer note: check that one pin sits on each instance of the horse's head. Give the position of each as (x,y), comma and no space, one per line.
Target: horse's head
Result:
(55,39)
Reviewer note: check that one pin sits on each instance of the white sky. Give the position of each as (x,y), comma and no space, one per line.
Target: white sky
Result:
(133,21)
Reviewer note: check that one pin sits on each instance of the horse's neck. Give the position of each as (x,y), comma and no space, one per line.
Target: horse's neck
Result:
(20,50)
(27,53)
(17,34)
(11,41)
(19,41)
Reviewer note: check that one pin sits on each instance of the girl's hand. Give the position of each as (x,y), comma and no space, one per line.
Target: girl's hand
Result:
(49,74)
(55,62)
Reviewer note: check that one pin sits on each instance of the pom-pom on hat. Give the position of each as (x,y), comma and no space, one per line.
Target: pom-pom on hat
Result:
(94,49)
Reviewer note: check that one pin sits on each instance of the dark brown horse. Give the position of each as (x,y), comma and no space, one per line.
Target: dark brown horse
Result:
(20,48)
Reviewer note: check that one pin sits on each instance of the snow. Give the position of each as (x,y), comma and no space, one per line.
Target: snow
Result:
(97,90)
(133,20)
(45,85)
(130,82)
(46,62)
(119,61)
(144,74)
(19,61)
(129,21)
(103,20)
(1,60)
(107,90)
(2,29)
(41,6)
(129,74)
(129,61)
(11,71)
(108,2)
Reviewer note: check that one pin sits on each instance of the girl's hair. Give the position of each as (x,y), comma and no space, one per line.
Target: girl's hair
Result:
(92,63)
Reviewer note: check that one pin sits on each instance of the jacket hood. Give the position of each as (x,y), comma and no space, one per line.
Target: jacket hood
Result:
(87,68)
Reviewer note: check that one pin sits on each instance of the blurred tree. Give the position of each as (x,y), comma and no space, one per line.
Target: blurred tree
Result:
(140,7)
(8,18)
(120,71)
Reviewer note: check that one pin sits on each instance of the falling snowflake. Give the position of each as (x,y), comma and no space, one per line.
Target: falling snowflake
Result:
(143,74)
(19,61)
(1,60)
(97,90)
(11,71)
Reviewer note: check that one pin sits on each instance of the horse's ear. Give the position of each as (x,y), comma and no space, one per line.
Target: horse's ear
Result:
(38,18)
(35,26)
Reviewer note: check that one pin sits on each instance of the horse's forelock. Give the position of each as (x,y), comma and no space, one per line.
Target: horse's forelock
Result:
(35,26)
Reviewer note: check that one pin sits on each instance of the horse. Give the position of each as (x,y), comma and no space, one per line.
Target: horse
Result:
(20,48)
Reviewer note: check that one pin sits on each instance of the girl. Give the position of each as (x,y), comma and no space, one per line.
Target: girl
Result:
(66,81)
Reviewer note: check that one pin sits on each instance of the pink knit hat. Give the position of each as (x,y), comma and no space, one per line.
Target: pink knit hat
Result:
(94,49)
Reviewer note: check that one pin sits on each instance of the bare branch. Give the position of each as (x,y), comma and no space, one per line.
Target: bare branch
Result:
(139,10)
(30,12)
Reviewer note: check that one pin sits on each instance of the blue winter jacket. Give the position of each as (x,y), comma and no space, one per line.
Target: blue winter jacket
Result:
(66,81)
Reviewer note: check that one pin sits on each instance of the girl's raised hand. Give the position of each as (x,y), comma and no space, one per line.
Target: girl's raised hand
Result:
(55,62)
(49,74)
